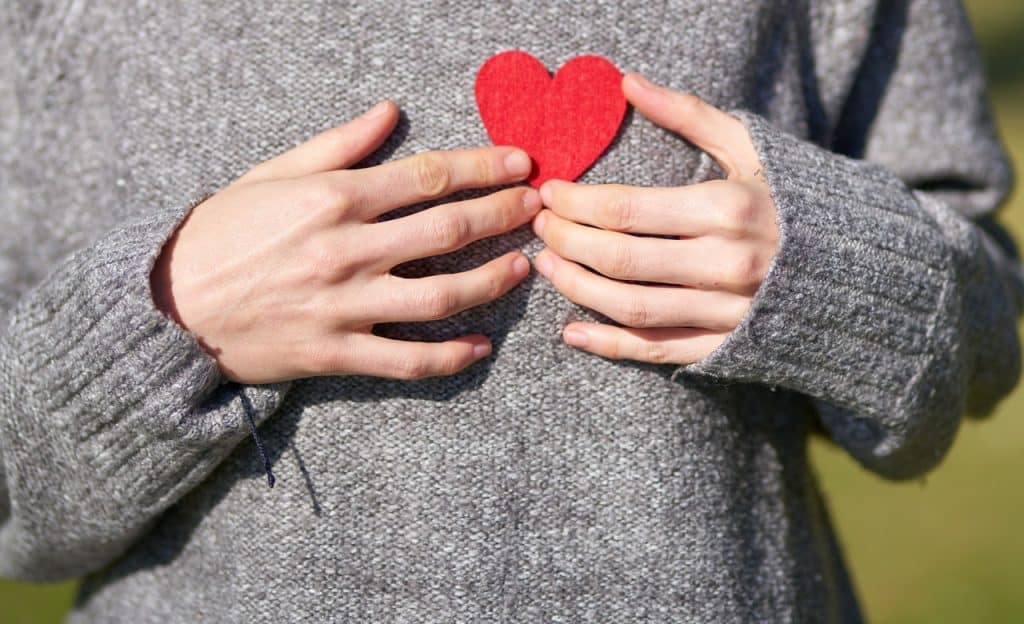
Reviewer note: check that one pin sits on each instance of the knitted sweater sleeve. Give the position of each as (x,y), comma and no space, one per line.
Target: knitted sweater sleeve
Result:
(109,410)
(893,299)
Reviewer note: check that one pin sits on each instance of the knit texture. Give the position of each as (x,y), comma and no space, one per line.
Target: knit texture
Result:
(544,484)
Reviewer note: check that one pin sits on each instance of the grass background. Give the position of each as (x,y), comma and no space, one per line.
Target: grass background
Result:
(949,548)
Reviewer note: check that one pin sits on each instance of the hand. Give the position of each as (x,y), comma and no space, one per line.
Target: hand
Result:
(283,273)
(705,278)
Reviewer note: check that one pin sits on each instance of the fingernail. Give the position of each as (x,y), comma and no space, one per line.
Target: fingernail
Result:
(543,264)
(481,350)
(377,110)
(520,266)
(576,338)
(538,223)
(518,164)
(545,193)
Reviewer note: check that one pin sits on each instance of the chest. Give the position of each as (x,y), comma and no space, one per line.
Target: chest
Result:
(131,105)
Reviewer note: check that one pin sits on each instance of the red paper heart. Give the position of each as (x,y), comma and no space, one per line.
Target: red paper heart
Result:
(564,123)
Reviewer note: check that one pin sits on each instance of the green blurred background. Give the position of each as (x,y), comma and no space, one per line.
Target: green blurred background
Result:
(949,548)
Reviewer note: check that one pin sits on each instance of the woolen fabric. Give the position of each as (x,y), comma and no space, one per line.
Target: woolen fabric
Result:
(544,484)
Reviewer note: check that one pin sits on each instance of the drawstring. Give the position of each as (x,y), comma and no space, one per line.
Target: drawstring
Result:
(248,409)
(259,448)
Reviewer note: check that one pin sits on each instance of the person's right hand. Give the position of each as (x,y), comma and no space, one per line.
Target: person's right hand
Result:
(283,273)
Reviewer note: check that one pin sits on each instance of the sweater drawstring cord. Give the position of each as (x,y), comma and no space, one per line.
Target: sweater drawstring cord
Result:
(259,449)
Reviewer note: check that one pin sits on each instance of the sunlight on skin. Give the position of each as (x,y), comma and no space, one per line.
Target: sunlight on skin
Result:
(945,551)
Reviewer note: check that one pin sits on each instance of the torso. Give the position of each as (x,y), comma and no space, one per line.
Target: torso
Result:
(545,482)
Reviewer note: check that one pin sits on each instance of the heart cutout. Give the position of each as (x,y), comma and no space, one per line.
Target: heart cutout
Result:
(564,123)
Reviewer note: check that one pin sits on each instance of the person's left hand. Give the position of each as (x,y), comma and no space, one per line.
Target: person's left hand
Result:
(696,286)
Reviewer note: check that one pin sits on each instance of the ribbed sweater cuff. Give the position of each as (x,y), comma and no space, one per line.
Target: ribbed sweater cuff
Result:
(851,305)
(131,394)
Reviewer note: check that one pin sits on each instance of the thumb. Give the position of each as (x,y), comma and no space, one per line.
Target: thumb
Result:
(336,148)
(714,131)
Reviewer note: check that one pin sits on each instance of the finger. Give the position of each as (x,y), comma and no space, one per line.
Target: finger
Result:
(430,175)
(656,346)
(398,299)
(368,354)
(693,210)
(716,132)
(448,227)
(706,262)
(642,306)
(337,148)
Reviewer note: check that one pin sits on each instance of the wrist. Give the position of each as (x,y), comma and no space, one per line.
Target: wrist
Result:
(161,280)
(160,283)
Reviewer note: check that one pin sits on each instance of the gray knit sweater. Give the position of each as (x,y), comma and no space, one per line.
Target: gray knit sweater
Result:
(545,484)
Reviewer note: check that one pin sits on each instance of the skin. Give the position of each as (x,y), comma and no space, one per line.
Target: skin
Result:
(725,237)
(296,292)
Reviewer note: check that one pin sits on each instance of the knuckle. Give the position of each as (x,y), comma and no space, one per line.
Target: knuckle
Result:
(430,174)
(437,303)
(344,205)
(615,350)
(619,213)
(621,261)
(739,214)
(635,314)
(450,361)
(448,232)
(482,168)
(410,368)
(744,269)
(656,353)
(330,198)
(688,104)
(495,284)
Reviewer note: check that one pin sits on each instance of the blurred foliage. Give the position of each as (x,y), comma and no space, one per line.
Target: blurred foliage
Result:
(948,548)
